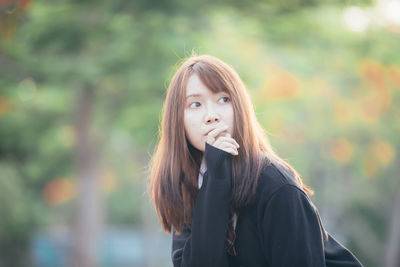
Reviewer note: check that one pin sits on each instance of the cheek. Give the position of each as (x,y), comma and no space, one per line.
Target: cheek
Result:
(230,118)
(232,115)
(193,134)
(190,126)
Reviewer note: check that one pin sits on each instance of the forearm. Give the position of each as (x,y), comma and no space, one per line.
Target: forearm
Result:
(203,244)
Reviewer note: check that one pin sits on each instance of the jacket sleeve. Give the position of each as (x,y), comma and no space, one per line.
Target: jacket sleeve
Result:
(203,244)
(336,255)
(292,231)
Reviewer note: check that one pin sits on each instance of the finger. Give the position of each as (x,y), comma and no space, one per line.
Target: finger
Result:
(227,134)
(223,141)
(214,133)
(228,145)
(231,151)
(227,139)
(210,140)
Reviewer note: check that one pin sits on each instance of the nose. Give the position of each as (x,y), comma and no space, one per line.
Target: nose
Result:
(211,116)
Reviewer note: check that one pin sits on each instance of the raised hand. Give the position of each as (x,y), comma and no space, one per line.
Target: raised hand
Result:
(221,139)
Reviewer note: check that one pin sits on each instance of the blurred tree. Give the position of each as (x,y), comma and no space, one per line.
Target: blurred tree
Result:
(82,84)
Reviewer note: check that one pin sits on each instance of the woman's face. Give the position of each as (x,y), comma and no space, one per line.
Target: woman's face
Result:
(205,111)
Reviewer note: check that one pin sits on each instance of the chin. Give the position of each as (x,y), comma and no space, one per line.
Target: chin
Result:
(200,147)
(203,148)
(200,143)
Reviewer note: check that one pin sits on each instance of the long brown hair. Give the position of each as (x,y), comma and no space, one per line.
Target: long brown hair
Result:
(175,164)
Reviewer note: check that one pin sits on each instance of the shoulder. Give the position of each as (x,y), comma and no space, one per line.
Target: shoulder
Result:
(276,178)
(279,194)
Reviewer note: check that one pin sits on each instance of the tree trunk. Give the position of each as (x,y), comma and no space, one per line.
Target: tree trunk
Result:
(88,220)
(392,249)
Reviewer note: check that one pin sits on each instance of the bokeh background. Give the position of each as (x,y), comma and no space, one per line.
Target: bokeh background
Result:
(81,90)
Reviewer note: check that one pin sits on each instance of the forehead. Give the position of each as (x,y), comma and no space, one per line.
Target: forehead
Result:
(196,85)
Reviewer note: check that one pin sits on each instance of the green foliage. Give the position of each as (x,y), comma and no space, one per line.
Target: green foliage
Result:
(324,94)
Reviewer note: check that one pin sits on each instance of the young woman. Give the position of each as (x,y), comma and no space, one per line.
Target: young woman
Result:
(221,190)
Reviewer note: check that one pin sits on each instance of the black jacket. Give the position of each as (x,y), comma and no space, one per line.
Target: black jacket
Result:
(281,228)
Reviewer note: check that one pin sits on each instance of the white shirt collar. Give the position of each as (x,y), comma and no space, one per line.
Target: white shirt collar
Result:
(203,169)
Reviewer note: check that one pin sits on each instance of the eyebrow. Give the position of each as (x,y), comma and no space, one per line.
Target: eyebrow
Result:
(193,95)
(199,95)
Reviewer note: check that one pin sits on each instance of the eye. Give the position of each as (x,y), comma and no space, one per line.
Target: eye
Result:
(224,99)
(194,105)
